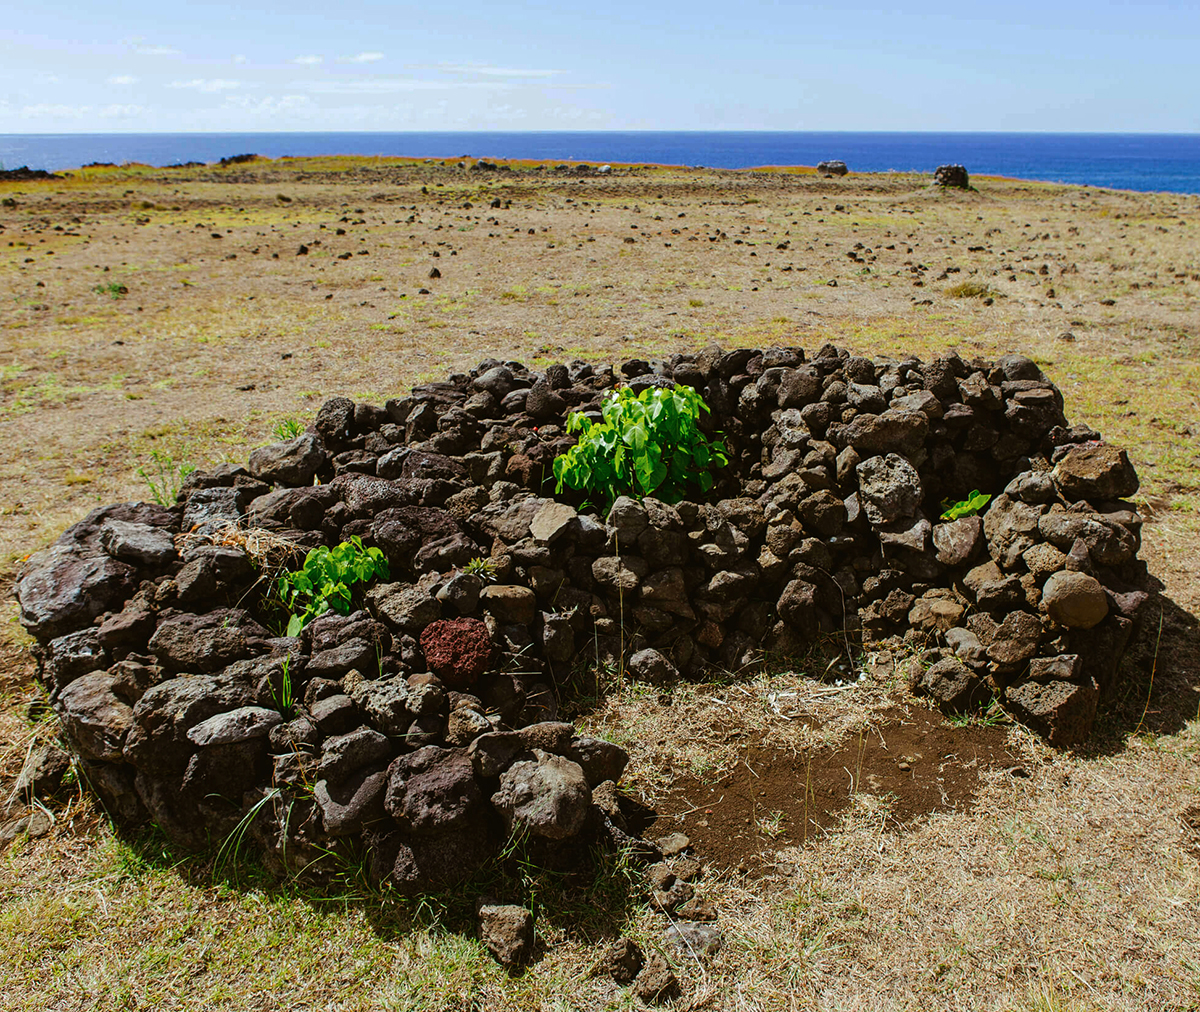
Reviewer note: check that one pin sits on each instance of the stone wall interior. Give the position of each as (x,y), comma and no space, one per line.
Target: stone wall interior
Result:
(425,723)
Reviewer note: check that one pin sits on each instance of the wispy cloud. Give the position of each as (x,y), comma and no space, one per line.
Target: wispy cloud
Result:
(46,110)
(207,85)
(157,51)
(239,58)
(308,61)
(270,105)
(123,79)
(121,111)
(391,85)
(489,71)
(364,58)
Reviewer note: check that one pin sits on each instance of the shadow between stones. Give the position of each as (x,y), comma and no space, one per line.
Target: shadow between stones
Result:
(912,760)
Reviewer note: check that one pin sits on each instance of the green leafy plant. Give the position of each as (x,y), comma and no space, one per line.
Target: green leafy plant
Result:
(165,475)
(967,508)
(287,428)
(485,569)
(324,582)
(647,444)
(113,290)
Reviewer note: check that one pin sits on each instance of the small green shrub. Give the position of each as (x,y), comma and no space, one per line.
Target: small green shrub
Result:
(647,443)
(165,475)
(113,290)
(287,428)
(324,582)
(967,508)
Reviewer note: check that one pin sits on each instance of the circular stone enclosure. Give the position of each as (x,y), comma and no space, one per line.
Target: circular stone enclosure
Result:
(424,723)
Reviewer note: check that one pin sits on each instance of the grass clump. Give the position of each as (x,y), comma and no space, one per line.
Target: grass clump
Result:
(970,290)
(485,569)
(287,428)
(165,476)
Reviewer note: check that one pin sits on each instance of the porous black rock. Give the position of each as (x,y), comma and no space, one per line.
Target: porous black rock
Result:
(424,722)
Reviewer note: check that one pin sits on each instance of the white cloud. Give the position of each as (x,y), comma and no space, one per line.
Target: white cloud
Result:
(507,113)
(123,79)
(270,105)
(239,58)
(365,58)
(489,71)
(158,51)
(121,111)
(391,85)
(308,61)
(45,110)
(208,86)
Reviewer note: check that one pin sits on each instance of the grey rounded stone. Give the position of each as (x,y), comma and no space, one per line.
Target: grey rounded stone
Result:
(1075,600)
(651,666)
(548,795)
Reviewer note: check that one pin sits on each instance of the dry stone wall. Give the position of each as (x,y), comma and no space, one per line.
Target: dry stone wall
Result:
(425,723)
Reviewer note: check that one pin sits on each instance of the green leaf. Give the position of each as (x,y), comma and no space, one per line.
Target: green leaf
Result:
(968,507)
(648,442)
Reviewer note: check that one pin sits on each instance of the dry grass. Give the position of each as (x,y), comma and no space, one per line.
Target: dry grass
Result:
(1075,888)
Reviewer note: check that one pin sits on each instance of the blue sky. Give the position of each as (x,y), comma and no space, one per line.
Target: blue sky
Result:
(746,65)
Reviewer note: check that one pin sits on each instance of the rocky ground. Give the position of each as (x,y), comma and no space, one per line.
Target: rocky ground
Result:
(1040,879)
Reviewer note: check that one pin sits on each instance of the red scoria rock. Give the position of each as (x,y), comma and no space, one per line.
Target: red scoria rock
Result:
(458,650)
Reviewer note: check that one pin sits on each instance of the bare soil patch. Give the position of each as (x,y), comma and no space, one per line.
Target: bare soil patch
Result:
(911,760)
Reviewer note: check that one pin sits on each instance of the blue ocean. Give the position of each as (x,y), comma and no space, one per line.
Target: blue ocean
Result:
(1148,162)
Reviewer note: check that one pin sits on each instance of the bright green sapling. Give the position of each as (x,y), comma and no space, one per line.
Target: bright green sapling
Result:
(647,444)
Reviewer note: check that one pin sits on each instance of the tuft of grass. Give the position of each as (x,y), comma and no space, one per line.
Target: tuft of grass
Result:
(165,475)
(114,290)
(970,290)
(485,569)
(287,428)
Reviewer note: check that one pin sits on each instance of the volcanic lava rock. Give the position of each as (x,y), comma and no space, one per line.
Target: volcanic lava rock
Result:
(506,931)
(423,723)
(547,796)
(1095,471)
(1062,711)
(293,462)
(457,650)
(954,176)
(433,790)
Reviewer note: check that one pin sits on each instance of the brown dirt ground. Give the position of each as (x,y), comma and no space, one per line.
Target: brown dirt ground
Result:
(912,759)
(1075,887)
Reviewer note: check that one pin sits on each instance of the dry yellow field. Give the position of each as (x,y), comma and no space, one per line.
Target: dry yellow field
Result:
(173,313)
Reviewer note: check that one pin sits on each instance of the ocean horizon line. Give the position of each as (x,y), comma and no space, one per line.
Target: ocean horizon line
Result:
(627,130)
(1168,162)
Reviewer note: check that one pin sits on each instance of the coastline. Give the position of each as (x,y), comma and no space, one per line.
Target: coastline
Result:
(1138,162)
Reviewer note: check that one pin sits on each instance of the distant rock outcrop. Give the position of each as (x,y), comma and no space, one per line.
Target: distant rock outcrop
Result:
(952,175)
